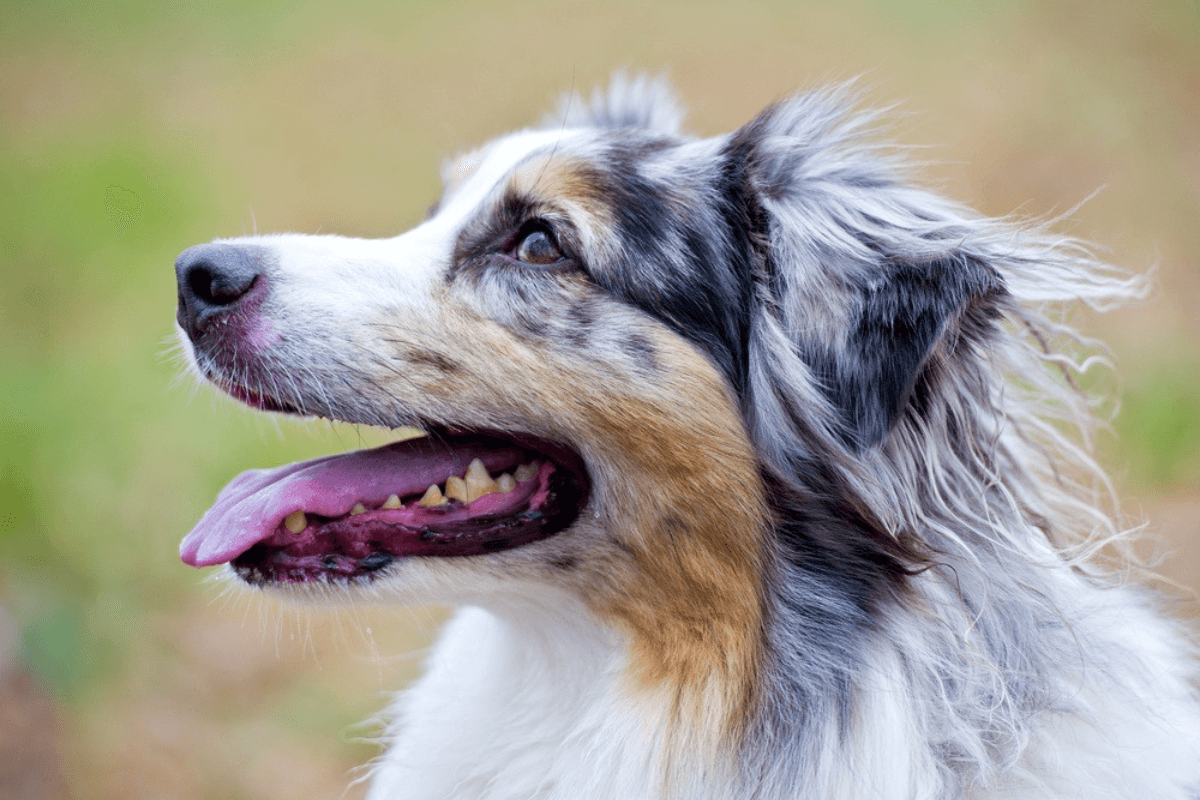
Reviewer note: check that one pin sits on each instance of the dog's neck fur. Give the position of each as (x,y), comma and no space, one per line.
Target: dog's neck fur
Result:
(535,701)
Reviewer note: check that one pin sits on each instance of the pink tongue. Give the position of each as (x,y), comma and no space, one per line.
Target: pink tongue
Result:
(254,503)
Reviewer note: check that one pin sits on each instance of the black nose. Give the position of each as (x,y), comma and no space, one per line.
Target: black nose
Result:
(213,279)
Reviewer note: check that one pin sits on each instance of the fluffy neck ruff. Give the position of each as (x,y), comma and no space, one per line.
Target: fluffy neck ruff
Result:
(536,701)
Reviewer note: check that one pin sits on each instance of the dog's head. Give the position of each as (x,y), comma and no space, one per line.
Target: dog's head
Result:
(683,365)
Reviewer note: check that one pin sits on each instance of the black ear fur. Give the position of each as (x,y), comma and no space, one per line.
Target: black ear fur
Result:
(903,314)
(865,274)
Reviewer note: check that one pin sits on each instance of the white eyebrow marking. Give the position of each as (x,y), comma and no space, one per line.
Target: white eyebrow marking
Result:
(489,167)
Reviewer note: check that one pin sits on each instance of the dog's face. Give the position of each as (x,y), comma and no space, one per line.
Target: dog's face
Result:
(633,331)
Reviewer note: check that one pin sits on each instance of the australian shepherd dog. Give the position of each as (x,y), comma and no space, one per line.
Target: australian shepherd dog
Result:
(754,470)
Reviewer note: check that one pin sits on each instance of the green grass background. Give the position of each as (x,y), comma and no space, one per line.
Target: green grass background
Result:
(131,130)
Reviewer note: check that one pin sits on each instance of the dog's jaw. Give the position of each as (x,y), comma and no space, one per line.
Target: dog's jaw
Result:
(348,517)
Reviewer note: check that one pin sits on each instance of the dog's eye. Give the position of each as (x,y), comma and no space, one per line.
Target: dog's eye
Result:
(537,247)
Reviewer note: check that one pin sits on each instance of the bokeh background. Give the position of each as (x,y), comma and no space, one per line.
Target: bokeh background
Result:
(131,130)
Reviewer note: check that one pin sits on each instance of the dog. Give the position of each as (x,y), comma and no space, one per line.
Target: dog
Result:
(754,469)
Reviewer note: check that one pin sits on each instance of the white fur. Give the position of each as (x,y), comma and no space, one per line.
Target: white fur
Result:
(528,703)
(520,704)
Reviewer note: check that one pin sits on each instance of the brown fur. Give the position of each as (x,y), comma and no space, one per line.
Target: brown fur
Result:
(566,185)
(684,577)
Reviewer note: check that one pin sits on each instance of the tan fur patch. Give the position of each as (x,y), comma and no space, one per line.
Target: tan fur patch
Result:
(675,480)
(566,181)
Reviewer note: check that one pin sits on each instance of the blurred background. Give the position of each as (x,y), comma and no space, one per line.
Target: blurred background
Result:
(131,130)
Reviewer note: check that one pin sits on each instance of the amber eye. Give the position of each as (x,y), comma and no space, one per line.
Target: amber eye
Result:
(537,247)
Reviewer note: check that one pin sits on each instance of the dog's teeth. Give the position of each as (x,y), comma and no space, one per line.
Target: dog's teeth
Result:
(477,471)
(432,497)
(526,472)
(456,489)
(393,501)
(506,483)
(478,481)
(359,508)
(295,522)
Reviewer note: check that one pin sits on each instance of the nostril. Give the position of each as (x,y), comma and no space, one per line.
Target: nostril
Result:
(212,280)
(216,288)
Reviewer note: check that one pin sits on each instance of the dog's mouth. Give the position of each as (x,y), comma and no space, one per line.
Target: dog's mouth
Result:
(348,517)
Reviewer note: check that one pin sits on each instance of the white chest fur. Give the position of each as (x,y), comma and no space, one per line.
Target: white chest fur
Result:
(523,708)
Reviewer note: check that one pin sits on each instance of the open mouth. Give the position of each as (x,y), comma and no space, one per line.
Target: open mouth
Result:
(350,516)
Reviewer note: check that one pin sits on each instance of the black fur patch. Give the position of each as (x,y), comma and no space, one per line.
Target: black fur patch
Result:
(901,317)
(679,259)
(826,532)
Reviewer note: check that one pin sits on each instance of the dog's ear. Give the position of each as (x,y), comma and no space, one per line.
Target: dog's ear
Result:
(639,101)
(871,282)
(903,323)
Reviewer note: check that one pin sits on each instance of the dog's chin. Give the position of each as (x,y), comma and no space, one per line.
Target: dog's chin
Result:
(350,519)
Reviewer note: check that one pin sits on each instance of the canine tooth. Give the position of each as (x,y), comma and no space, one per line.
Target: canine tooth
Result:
(359,508)
(295,522)
(456,489)
(477,471)
(506,483)
(526,472)
(478,481)
(393,501)
(432,497)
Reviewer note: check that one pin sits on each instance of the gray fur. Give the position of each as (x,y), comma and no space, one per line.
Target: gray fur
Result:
(993,640)
(638,102)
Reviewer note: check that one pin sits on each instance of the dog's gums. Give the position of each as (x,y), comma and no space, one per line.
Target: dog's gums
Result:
(346,517)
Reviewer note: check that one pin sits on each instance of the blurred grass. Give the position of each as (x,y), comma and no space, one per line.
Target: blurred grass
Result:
(212,119)
(1159,427)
